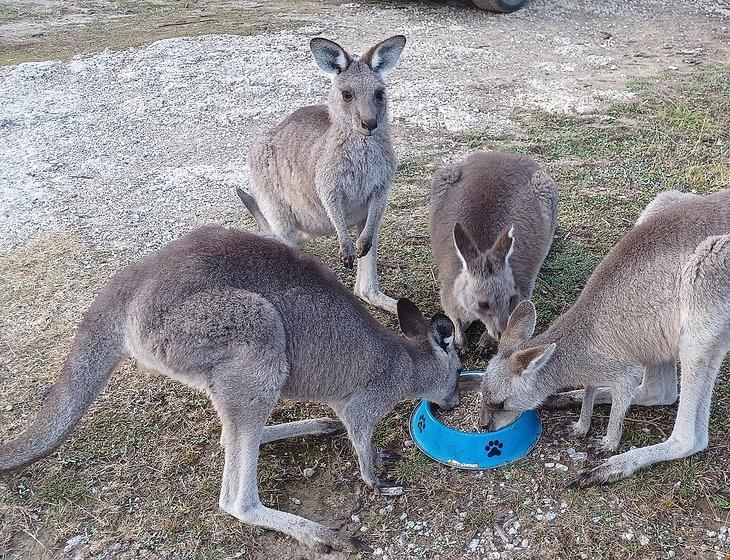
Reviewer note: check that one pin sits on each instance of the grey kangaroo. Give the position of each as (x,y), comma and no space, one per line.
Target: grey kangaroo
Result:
(328,168)
(492,220)
(662,294)
(248,320)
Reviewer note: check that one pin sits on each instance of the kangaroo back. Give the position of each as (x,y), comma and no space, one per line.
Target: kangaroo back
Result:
(96,351)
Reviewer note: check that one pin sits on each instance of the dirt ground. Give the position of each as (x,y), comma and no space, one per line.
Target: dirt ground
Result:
(124,124)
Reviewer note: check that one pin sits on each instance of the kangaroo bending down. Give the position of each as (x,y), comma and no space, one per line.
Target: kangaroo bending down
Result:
(248,320)
(662,294)
(328,168)
(492,219)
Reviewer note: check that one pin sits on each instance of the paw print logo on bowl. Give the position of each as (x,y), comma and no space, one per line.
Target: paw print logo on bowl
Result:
(421,423)
(494,448)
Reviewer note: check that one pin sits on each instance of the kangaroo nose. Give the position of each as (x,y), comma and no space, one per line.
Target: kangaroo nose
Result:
(370,124)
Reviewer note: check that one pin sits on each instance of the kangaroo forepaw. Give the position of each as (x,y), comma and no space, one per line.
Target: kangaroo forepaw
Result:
(347,254)
(363,246)
(605,447)
(388,458)
(579,430)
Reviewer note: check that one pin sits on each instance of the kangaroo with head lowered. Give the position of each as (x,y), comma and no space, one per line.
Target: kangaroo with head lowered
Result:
(662,294)
(328,168)
(492,220)
(249,320)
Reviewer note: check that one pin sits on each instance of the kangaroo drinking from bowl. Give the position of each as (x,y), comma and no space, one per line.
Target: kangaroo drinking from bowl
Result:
(248,320)
(328,168)
(662,294)
(492,219)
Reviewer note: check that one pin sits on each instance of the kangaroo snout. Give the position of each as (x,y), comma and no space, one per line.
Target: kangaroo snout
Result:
(368,125)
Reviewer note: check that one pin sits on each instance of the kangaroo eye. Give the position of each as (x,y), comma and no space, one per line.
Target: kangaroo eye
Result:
(347,95)
(484,305)
(379,95)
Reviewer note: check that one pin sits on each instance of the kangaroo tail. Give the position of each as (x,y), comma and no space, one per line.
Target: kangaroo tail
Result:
(250,203)
(95,354)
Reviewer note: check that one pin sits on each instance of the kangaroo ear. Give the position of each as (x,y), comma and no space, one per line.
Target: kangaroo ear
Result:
(412,322)
(466,247)
(528,362)
(330,56)
(520,325)
(503,247)
(441,332)
(383,56)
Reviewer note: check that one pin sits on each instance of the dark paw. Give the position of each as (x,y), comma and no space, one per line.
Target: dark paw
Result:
(494,448)
(363,247)
(389,458)
(347,259)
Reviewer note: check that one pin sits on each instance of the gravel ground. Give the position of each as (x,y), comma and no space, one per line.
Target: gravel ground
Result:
(135,147)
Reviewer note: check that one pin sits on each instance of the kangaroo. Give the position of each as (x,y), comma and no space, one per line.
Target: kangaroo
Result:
(328,168)
(492,220)
(662,294)
(248,320)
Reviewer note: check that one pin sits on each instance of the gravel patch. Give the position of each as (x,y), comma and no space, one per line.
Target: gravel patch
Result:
(135,147)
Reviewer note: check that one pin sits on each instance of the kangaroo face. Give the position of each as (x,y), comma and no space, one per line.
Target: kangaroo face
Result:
(357,95)
(440,385)
(511,382)
(485,287)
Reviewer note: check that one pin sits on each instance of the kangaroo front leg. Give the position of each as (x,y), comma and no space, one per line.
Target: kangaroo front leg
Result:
(332,203)
(376,211)
(581,427)
(622,395)
(360,428)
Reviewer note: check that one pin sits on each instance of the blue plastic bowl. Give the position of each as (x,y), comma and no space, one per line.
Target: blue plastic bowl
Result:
(473,450)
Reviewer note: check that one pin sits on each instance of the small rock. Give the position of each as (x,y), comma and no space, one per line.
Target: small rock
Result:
(295,501)
(355,518)
(73,542)
(308,472)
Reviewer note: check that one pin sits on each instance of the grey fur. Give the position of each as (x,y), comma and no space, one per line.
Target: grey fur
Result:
(475,204)
(327,169)
(249,320)
(660,296)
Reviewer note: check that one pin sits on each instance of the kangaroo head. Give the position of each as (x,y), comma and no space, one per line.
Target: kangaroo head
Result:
(440,383)
(485,285)
(510,383)
(357,95)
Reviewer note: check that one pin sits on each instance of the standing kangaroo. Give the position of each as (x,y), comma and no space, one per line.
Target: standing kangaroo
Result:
(328,168)
(662,294)
(492,220)
(248,320)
